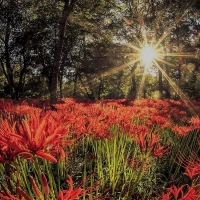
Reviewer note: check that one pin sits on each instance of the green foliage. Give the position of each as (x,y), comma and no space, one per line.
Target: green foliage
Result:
(97,34)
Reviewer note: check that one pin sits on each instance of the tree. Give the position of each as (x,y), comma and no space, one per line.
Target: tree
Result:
(24,41)
(90,46)
(14,46)
(67,9)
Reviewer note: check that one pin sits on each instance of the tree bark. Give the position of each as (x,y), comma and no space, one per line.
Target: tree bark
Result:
(167,89)
(75,84)
(21,75)
(68,7)
(160,84)
(132,92)
(100,87)
(8,71)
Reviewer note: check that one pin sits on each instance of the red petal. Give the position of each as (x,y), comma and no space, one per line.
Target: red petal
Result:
(39,131)
(60,195)
(27,128)
(46,156)
(49,139)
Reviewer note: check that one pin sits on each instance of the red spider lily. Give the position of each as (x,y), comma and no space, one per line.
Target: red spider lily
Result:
(184,192)
(81,125)
(153,140)
(101,131)
(176,191)
(10,147)
(182,130)
(127,127)
(195,121)
(34,136)
(71,193)
(154,147)
(191,194)
(8,155)
(139,134)
(159,120)
(158,151)
(150,144)
(192,171)
(6,106)
(141,140)
(177,115)
(166,196)
(190,164)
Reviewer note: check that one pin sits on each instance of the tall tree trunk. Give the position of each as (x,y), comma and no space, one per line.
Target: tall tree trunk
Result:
(90,94)
(61,87)
(160,84)
(75,84)
(68,7)
(61,80)
(132,92)
(21,75)
(144,93)
(167,89)
(100,88)
(8,71)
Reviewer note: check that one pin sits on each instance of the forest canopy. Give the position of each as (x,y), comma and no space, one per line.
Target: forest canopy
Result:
(93,49)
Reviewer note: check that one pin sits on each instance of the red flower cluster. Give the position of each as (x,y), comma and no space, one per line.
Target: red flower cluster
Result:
(38,135)
(35,134)
(182,130)
(150,143)
(184,192)
(195,122)
(69,194)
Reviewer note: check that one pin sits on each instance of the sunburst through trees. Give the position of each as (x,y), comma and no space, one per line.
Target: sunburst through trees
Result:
(150,48)
(152,53)
(152,32)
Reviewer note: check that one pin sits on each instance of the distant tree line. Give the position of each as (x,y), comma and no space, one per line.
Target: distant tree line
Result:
(88,48)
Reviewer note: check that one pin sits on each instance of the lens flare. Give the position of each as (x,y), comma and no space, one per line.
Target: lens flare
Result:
(148,54)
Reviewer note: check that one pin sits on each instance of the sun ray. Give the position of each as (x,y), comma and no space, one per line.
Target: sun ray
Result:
(165,62)
(183,97)
(183,54)
(138,53)
(110,72)
(119,68)
(134,47)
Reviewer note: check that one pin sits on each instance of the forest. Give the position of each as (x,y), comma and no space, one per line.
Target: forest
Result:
(100,100)
(91,49)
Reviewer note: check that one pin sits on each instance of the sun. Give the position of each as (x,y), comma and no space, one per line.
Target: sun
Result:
(147,55)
